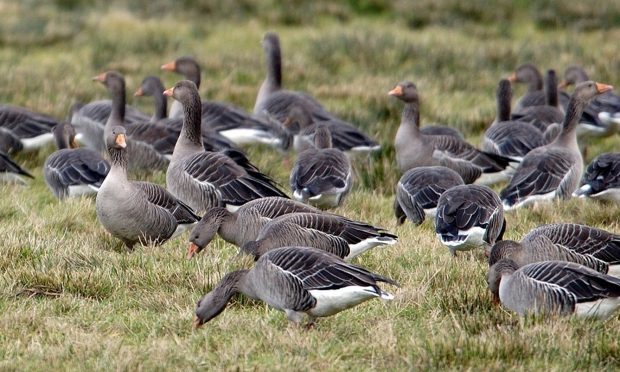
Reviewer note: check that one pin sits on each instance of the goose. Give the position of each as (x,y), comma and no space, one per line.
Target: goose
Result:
(602,179)
(554,287)
(528,74)
(11,172)
(332,233)
(137,212)
(322,175)
(244,224)
(278,103)
(298,281)
(601,118)
(468,217)
(230,121)
(512,138)
(554,170)
(72,171)
(151,86)
(588,246)
(415,149)
(418,191)
(205,179)
(24,130)
(549,112)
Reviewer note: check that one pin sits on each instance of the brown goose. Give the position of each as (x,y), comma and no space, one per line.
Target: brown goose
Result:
(602,178)
(554,170)
(11,172)
(541,116)
(244,224)
(230,121)
(24,130)
(205,179)
(276,102)
(322,175)
(73,171)
(468,217)
(298,281)
(418,191)
(554,287)
(415,149)
(585,245)
(335,234)
(137,212)
(512,138)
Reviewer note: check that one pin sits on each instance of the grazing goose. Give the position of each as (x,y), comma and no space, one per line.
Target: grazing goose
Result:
(549,112)
(601,118)
(513,138)
(137,212)
(23,129)
(415,149)
(335,234)
(278,103)
(10,172)
(418,191)
(322,175)
(528,74)
(554,287)
(602,178)
(72,171)
(468,217)
(554,170)
(585,245)
(244,224)
(205,179)
(298,281)
(230,121)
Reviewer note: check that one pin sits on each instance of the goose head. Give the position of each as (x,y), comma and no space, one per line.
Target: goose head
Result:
(64,135)
(502,249)
(213,303)
(271,42)
(117,138)
(150,86)
(186,66)
(589,89)
(205,230)
(573,75)
(405,91)
(500,269)
(185,91)
(113,81)
(529,74)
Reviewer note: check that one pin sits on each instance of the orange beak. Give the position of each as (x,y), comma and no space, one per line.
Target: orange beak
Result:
(120,140)
(397,92)
(197,323)
(170,66)
(169,92)
(193,249)
(73,144)
(139,92)
(512,78)
(563,84)
(602,88)
(100,78)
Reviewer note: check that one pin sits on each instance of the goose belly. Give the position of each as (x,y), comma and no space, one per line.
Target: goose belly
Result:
(366,244)
(531,199)
(324,200)
(602,308)
(243,136)
(465,240)
(79,190)
(35,143)
(332,301)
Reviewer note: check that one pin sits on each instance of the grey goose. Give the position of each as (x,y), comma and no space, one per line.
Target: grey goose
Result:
(205,179)
(554,288)
(553,171)
(585,245)
(71,171)
(329,232)
(418,192)
(299,281)
(11,172)
(468,217)
(322,175)
(244,224)
(278,103)
(513,138)
(22,129)
(601,179)
(137,212)
(415,149)
(230,121)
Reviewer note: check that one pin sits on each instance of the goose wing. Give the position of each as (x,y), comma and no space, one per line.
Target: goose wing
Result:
(160,197)
(77,167)
(24,123)
(318,171)
(7,165)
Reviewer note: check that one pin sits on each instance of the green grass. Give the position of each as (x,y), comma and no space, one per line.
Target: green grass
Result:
(72,297)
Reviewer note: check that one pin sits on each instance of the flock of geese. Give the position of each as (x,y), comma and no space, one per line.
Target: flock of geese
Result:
(301,250)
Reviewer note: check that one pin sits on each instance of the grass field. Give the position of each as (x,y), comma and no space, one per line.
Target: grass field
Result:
(72,297)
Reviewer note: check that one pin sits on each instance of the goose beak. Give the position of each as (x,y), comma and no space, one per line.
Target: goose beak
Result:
(513,77)
(120,140)
(397,92)
(169,92)
(602,88)
(193,249)
(73,144)
(197,323)
(563,84)
(100,78)
(139,92)
(170,66)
